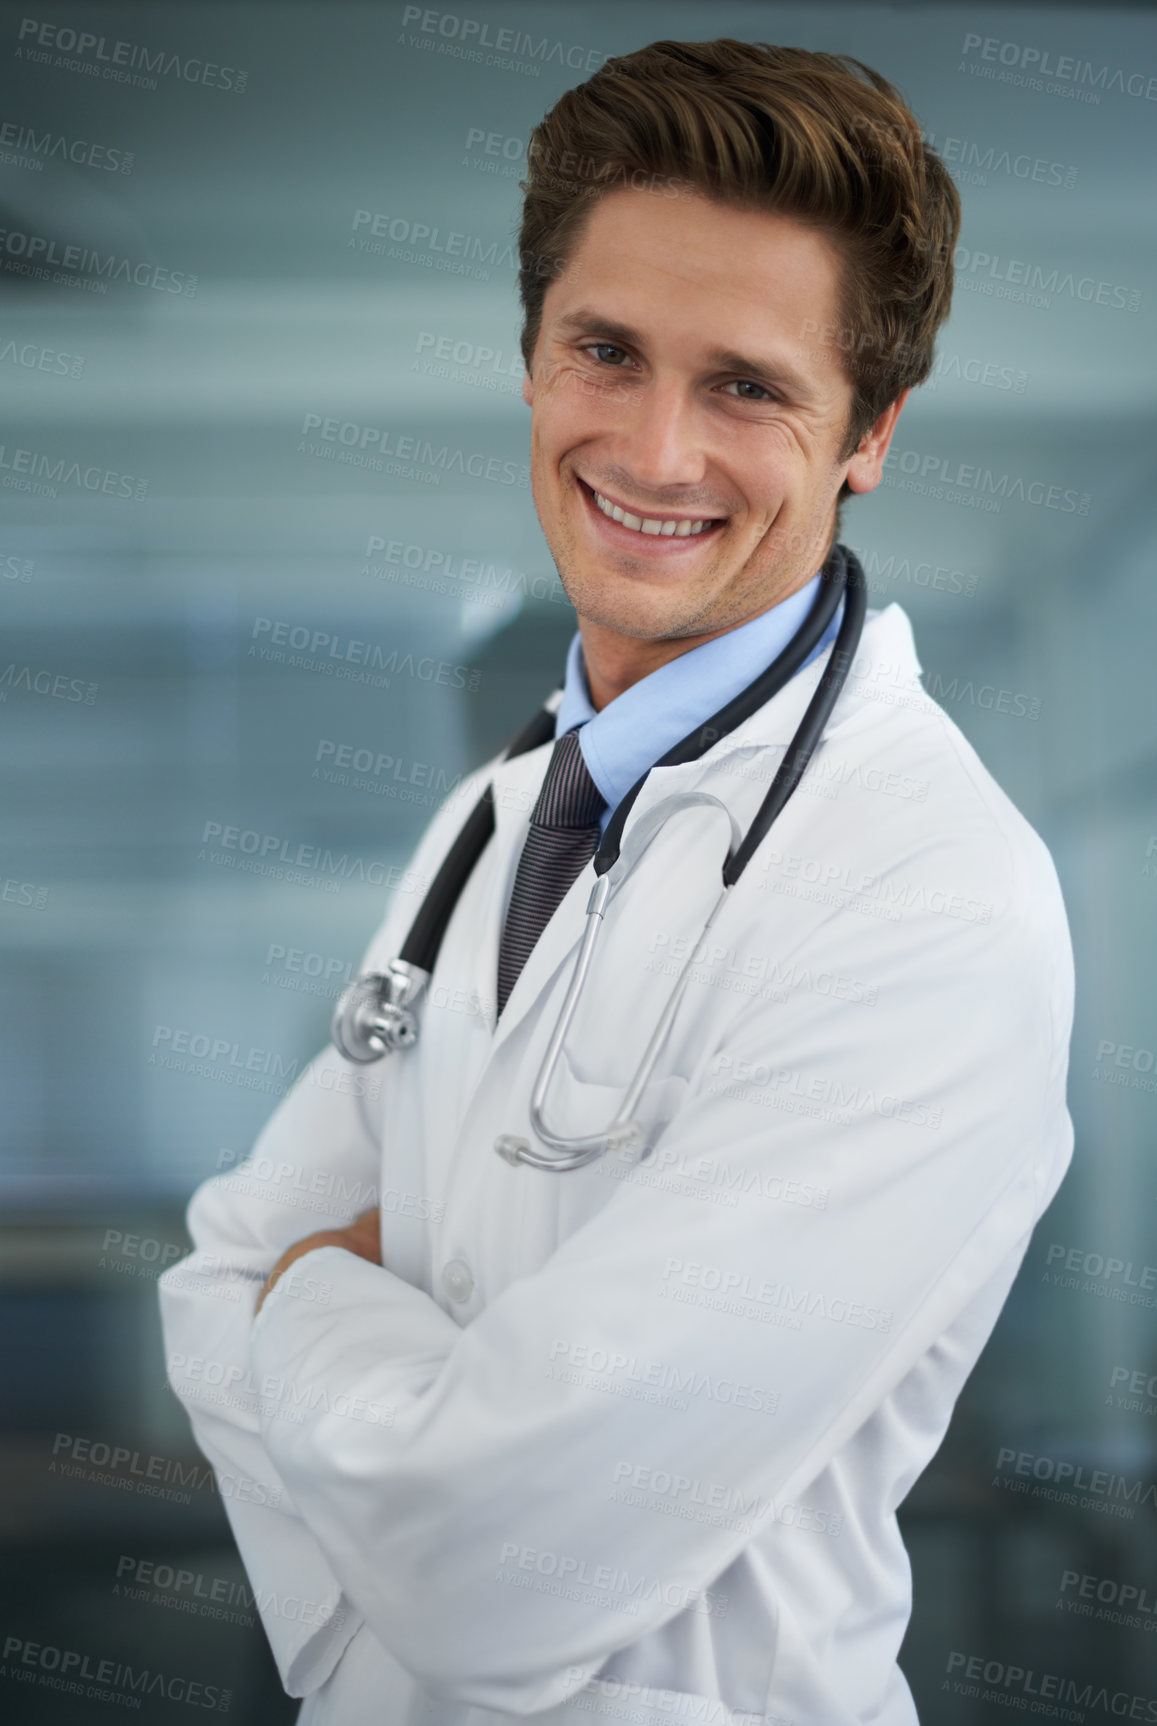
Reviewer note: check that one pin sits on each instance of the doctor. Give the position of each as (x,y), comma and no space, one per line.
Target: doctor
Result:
(627,1442)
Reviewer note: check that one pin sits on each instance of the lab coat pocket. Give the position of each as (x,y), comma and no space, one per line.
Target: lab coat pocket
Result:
(577,1105)
(574,1105)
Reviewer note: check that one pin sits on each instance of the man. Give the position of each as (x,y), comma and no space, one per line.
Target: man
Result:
(629,1440)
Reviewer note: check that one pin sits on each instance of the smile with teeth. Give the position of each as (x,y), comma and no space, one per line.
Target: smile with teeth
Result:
(650,524)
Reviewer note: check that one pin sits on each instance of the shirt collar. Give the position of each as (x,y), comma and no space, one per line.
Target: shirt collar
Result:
(632,732)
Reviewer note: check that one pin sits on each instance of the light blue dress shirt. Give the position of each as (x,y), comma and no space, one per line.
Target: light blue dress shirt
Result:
(634,730)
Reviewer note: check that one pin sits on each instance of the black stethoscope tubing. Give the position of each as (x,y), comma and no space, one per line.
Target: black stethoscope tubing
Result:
(841,578)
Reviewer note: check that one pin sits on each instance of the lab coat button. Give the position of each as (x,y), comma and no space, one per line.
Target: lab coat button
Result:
(457,1280)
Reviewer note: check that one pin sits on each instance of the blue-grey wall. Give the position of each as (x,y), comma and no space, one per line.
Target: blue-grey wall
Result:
(205,464)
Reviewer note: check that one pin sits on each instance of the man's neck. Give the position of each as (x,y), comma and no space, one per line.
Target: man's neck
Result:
(613,662)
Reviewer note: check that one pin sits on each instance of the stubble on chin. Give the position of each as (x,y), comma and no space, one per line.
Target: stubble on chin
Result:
(633,606)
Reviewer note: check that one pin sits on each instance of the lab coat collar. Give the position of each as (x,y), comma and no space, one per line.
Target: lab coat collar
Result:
(884,669)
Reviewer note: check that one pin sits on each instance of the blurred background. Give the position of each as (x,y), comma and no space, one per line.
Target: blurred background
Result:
(263,470)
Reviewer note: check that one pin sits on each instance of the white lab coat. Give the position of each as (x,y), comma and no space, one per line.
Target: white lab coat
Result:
(627,1442)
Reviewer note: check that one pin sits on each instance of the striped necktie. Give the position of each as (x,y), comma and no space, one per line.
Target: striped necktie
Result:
(563,837)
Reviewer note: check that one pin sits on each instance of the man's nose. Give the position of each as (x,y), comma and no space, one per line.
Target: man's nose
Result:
(659,440)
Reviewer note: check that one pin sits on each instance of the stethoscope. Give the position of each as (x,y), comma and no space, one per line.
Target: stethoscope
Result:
(376,1013)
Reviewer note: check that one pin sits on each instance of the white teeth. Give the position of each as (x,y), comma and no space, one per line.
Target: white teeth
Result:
(649,524)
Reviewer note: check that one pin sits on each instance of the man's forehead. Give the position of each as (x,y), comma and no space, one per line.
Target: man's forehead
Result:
(771,285)
(629,221)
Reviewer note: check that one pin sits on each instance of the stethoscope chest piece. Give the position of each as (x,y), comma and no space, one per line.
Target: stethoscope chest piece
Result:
(374,1016)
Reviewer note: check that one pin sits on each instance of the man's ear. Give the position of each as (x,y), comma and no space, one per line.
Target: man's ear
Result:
(527,389)
(866,467)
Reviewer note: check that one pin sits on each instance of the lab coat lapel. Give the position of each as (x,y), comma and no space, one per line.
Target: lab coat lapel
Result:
(558,943)
(516,787)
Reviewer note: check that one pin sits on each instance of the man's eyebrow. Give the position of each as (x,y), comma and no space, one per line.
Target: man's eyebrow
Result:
(777,374)
(585,321)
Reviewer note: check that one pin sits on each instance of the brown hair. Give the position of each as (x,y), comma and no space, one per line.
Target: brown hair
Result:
(819,137)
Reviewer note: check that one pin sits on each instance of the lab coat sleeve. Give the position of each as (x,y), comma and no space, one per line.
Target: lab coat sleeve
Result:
(465,1488)
(240,1224)
(315,1165)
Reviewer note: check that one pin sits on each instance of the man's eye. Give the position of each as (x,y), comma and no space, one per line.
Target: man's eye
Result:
(602,349)
(745,384)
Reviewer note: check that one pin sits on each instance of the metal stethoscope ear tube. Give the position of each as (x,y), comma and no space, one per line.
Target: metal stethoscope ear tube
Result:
(623,1133)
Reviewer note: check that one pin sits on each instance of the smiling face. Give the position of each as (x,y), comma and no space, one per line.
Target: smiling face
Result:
(686,439)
